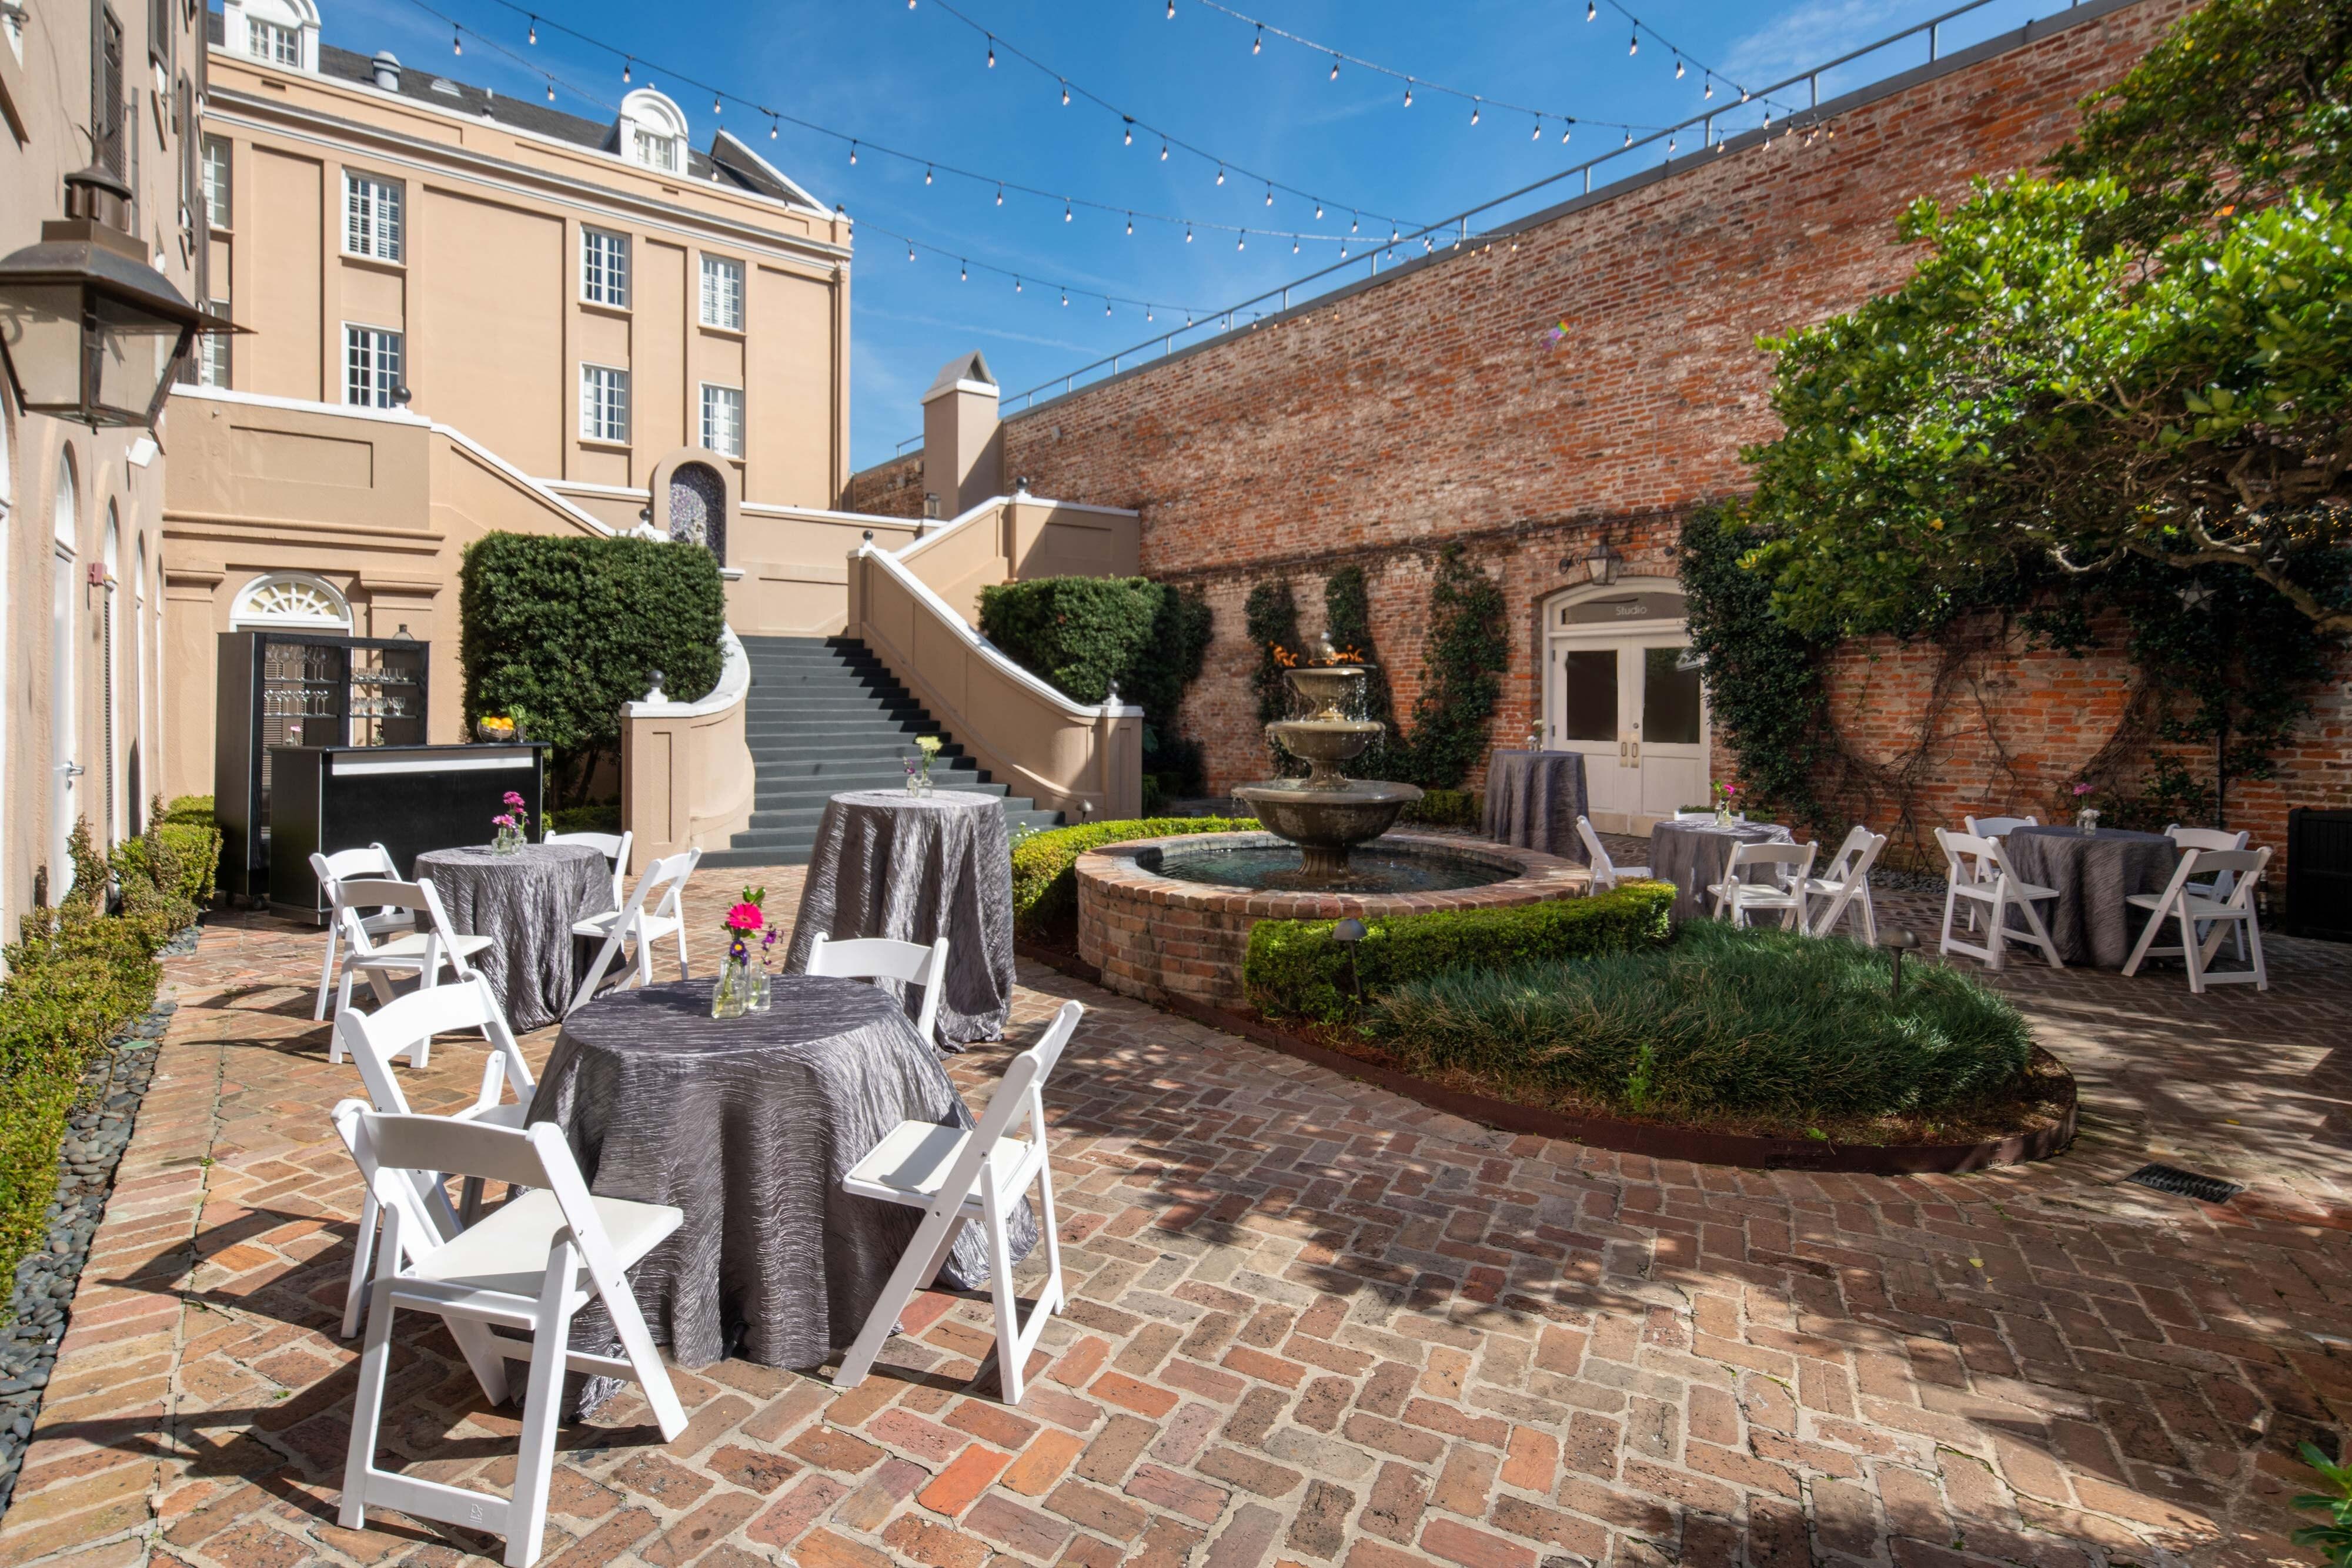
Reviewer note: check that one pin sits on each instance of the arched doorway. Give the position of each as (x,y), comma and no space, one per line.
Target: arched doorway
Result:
(1622,685)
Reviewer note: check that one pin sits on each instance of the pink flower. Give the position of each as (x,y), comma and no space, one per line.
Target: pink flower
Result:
(502,821)
(744,918)
(2080,790)
(514,802)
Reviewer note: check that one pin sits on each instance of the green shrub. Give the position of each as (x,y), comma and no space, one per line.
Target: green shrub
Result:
(1079,634)
(195,809)
(179,852)
(559,632)
(1295,969)
(1448,809)
(602,816)
(1721,1021)
(1046,883)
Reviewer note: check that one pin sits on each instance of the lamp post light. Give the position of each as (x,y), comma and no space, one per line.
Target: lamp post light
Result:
(89,331)
(1898,943)
(1349,933)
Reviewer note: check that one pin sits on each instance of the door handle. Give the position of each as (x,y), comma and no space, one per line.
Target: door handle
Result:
(72,769)
(1637,753)
(1620,754)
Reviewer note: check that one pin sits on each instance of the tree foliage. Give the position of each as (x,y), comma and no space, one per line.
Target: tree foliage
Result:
(1462,666)
(559,632)
(2148,356)
(1270,616)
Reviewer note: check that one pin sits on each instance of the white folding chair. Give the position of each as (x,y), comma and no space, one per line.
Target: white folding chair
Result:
(2181,900)
(614,847)
(1707,816)
(531,1265)
(418,955)
(883,958)
(632,922)
(958,1177)
(1784,891)
(2219,888)
(372,860)
(1846,884)
(373,1039)
(1606,873)
(1992,828)
(2000,892)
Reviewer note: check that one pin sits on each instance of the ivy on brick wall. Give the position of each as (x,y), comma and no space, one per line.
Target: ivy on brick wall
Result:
(1462,666)
(1347,622)
(1271,617)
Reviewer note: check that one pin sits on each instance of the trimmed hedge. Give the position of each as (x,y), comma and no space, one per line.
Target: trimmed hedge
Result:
(1044,876)
(1078,634)
(76,977)
(559,632)
(1295,969)
(186,852)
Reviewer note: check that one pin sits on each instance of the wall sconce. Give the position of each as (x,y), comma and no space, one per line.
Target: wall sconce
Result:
(930,505)
(1603,562)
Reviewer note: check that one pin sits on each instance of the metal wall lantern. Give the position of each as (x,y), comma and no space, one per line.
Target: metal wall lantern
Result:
(89,331)
(1605,562)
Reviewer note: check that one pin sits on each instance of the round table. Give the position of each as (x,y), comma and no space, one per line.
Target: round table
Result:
(2089,922)
(1692,855)
(1533,798)
(917,868)
(526,904)
(748,1125)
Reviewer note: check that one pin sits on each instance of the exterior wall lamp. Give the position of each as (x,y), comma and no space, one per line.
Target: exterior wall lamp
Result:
(90,332)
(1603,562)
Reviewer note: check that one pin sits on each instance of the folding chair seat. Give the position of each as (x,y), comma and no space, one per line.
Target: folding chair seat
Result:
(1606,873)
(373,1039)
(884,958)
(1846,884)
(1998,890)
(531,1266)
(2181,901)
(416,955)
(635,922)
(958,1177)
(1784,894)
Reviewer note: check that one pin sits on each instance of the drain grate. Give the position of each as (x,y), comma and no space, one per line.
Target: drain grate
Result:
(2186,1184)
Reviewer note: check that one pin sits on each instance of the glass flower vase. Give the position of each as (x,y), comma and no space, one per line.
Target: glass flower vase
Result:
(759,983)
(731,996)
(510,840)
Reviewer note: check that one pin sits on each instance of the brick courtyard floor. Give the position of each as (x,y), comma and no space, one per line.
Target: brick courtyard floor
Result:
(1313,1322)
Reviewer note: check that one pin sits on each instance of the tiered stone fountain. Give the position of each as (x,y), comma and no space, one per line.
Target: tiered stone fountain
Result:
(1327,814)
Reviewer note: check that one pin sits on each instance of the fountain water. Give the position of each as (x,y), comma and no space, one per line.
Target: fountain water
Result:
(1327,814)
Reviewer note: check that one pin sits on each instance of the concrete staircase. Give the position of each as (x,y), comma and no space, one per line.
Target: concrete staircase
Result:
(825,716)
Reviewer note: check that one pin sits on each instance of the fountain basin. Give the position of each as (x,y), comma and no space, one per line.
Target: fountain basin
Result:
(1153,932)
(1325,819)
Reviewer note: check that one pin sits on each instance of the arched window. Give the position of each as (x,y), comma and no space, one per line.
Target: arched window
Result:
(276,32)
(290,602)
(109,721)
(64,643)
(651,132)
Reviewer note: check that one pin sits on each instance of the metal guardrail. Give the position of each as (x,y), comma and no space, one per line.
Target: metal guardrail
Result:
(1164,344)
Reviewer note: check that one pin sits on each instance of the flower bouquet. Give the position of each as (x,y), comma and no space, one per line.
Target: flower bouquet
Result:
(918,768)
(2086,819)
(1726,799)
(732,996)
(510,838)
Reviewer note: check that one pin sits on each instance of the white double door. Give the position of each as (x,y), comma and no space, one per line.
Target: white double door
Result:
(1633,705)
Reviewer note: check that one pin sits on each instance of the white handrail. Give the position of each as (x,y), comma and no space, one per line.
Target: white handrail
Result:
(994,505)
(734,683)
(891,562)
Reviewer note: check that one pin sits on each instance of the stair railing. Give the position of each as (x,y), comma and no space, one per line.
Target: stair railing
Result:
(687,780)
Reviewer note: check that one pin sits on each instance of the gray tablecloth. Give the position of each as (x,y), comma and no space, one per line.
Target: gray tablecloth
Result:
(1692,854)
(1533,798)
(748,1124)
(525,902)
(886,863)
(2089,921)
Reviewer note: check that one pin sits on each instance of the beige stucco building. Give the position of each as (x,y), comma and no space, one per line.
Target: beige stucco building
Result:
(467,312)
(83,719)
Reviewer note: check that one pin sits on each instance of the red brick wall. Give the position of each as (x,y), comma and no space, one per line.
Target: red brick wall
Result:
(892,489)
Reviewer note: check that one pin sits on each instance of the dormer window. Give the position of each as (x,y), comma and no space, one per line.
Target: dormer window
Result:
(651,132)
(282,33)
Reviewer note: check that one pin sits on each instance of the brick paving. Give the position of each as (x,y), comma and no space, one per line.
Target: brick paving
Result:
(1312,1322)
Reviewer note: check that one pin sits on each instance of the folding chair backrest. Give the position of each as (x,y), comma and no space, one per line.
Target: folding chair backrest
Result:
(2245,866)
(374,1039)
(614,847)
(428,1216)
(666,877)
(1694,816)
(368,860)
(1774,853)
(1962,848)
(876,957)
(533,1156)
(1996,827)
(417,897)
(1603,868)
(2205,837)
(1019,1098)
(1855,848)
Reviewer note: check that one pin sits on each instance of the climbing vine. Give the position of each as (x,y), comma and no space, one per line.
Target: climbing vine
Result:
(1271,617)
(1461,673)
(1347,622)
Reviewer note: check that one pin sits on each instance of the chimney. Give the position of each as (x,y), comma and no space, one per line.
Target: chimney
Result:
(964,450)
(386,66)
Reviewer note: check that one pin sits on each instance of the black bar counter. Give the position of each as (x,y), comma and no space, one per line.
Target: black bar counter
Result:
(409,799)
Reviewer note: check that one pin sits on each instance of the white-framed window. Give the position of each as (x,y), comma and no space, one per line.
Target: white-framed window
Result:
(371,216)
(722,420)
(217,191)
(603,404)
(722,293)
(655,151)
(604,267)
(373,361)
(280,45)
(212,350)
(290,601)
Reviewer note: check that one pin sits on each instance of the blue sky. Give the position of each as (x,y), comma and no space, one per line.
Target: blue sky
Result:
(918,80)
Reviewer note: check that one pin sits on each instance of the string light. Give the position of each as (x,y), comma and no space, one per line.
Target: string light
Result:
(1591,11)
(1710,84)
(1220,174)
(1335,68)
(1633,45)
(1474,111)
(927,173)
(1678,67)
(1188,234)
(772,128)
(1065,95)
(716,106)
(625,68)
(1536,135)
(963,269)
(1130,225)
(1241,240)
(1257,44)
(457,44)
(534,31)
(1066,300)
(550,89)
(911,250)
(1269,195)
(1106,307)
(1065,210)
(853,154)
(1147,313)
(1016,286)
(1294,245)
(1164,151)
(991,54)
(1319,212)
(1408,92)
(1129,140)
(1564,130)
(1000,195)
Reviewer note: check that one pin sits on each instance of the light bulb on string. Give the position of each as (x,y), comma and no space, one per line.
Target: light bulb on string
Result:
(1767,119)
(1105,308)
(1710,84)
(772,128)
(1065,95)
(1172,10)
(963,270)
(1066,300)
(1147,313)
(911,250)
(456,42)
(1130,225)
(1129,140)
(999,194)
(1564,130)
(1633,45)
(534,31)
(853,154)
(1335,68)
(1670,146)
(1163,150)
(927,173)
(1294,245)
(1591,11)
(1474,111)
(1319,212)
(1408,92)
(1220,174)
(1066,209)
(550,89)
(1188,234)
(1629,136)
(1269,194)
(1257,44)
(1353,218)
(1016,284)
(716,106)
(1678,67)
(1536,135)
(1393,233)
(1743,95)
(992,52)
(1241,240)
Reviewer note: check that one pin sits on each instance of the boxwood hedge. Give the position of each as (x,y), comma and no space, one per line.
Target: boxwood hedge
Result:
(1046,881)
(1296,969)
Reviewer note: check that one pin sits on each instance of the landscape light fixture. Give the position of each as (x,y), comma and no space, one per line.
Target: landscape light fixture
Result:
(1349,933)
(1898,943)
(89,331)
